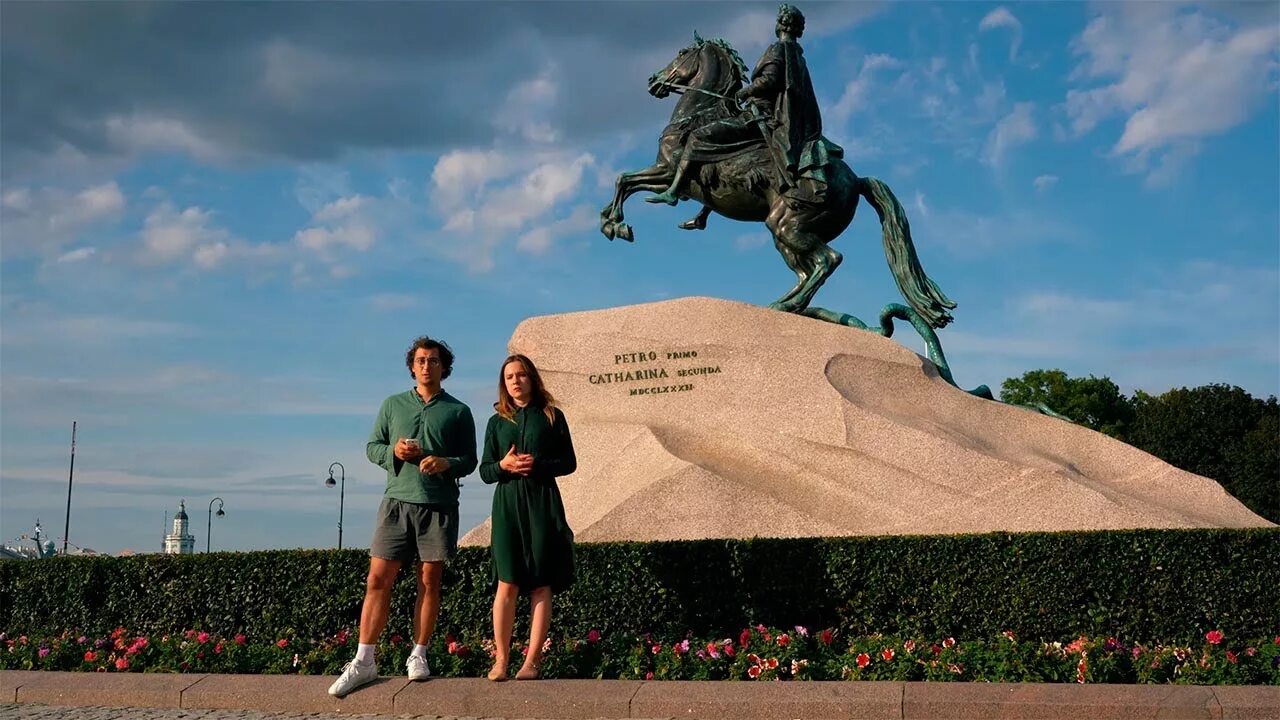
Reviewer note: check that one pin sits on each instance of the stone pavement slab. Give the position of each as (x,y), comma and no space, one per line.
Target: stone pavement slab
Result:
(557,699)
(131,690)
(11,680)
(769,700)
(1248,703)
(1036,701)
(289,693)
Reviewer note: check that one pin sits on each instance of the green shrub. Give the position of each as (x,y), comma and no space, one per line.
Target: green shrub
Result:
(1143,585)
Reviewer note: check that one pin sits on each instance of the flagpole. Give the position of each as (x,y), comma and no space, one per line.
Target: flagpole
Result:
(66,528)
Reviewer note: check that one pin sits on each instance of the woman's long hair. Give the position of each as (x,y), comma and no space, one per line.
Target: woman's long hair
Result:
(506,406)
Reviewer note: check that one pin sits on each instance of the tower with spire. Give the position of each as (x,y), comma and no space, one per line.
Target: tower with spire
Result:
(180,541)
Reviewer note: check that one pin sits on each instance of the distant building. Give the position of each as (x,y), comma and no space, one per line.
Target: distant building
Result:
(180,542)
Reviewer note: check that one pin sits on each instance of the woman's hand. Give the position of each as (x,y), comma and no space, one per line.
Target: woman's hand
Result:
(516,463)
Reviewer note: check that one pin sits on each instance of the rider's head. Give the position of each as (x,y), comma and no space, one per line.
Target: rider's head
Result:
(790,21)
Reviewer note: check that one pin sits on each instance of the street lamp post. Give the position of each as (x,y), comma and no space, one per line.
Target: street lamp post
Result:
(209,530)
(342,490)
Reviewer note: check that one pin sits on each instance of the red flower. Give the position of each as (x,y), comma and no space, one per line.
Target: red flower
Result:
(863,660)
(1213,636)
(936,648)
(772,663)
(1231,657)
(593,636)
(826,636)
(396,639)
(202,638)
(1251,651)
(282,643)
(784,640)
(657,648)
(240,638)
(728,650)
(463,651)
(451,647)
(949,642)
(753,671)
(118,633)
(745,638)
(341,637)
(887,654)
(909,646)
(648,676)
(90,656)
(755,659)
(217,649)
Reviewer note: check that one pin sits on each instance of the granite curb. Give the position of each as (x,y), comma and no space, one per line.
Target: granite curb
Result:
(590,699)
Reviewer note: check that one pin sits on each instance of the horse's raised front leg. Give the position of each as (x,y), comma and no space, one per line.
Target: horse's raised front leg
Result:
(652,178)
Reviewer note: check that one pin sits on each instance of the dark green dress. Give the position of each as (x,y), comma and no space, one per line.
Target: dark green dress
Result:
(531,543)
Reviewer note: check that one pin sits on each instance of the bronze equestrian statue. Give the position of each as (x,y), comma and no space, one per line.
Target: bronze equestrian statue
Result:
(770,163)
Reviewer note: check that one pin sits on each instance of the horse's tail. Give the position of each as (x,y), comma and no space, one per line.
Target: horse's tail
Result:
(921,293)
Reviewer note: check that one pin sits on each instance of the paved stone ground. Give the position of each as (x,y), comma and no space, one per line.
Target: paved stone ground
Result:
(49,712)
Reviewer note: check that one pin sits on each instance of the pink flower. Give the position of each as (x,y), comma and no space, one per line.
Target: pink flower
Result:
(683,645)
(240,639)
(656,649)
(217,649)
(188,634)
(784,640)
(341,637)
(909,646)
(745,638)
(452,647)
(802,631)
(90,656)
(43,652)
(729,651)
(648,676)
(863,660)
(202,638)
(282,643)
(122,663)
(593,636)
(1213,636)
(712,651)
(1251,651)
(753,671)
(949,642)
(887,654)
(1231,657)
(82,639)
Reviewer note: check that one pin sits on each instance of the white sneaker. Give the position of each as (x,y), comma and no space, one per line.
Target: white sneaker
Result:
(418,668)
(353,675)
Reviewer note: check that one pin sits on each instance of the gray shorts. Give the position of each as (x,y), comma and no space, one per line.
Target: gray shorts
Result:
(406,531)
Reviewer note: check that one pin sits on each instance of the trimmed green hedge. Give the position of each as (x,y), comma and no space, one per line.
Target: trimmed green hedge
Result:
(1166,585)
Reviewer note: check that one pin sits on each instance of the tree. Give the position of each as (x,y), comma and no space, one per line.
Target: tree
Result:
(1093,402)
(1219,432)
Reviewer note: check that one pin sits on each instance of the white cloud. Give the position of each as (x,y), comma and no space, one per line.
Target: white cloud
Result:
(920,206)
(1016,128)
(1044,182)
(1175,75)
(751,241)
(138,134)
(1002,18)
(77,255)
(41,222)
(854,96)
(171,236)
(387,302)
(483,197)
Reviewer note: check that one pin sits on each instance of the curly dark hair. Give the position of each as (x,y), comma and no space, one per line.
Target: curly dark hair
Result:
(791,20)
(428,343)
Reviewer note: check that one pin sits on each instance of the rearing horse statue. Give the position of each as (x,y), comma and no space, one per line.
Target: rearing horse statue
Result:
(708,74)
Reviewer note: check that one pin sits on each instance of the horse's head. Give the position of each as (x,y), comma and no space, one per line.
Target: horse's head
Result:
(682,68)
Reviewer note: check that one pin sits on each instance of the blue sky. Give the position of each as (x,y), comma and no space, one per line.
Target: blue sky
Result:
(221,224)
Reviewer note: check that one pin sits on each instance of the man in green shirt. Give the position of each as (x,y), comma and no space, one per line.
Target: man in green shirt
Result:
(426,440)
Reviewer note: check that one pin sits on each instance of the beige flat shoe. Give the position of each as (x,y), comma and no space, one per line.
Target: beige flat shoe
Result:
(498,673)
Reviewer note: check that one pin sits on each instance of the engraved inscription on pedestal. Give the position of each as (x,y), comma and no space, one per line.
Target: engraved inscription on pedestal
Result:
(654,372)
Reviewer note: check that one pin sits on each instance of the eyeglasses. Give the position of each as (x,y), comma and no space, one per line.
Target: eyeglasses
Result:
(434,362)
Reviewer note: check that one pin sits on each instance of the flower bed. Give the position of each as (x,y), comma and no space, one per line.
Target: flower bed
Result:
(758,653)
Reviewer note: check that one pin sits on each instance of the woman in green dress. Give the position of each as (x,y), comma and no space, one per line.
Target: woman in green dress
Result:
(526,447)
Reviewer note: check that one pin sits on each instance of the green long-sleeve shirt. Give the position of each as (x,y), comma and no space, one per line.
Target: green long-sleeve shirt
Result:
(444,427)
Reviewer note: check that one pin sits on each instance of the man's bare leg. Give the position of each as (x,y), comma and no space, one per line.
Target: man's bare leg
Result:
(377,599)
(427,607)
